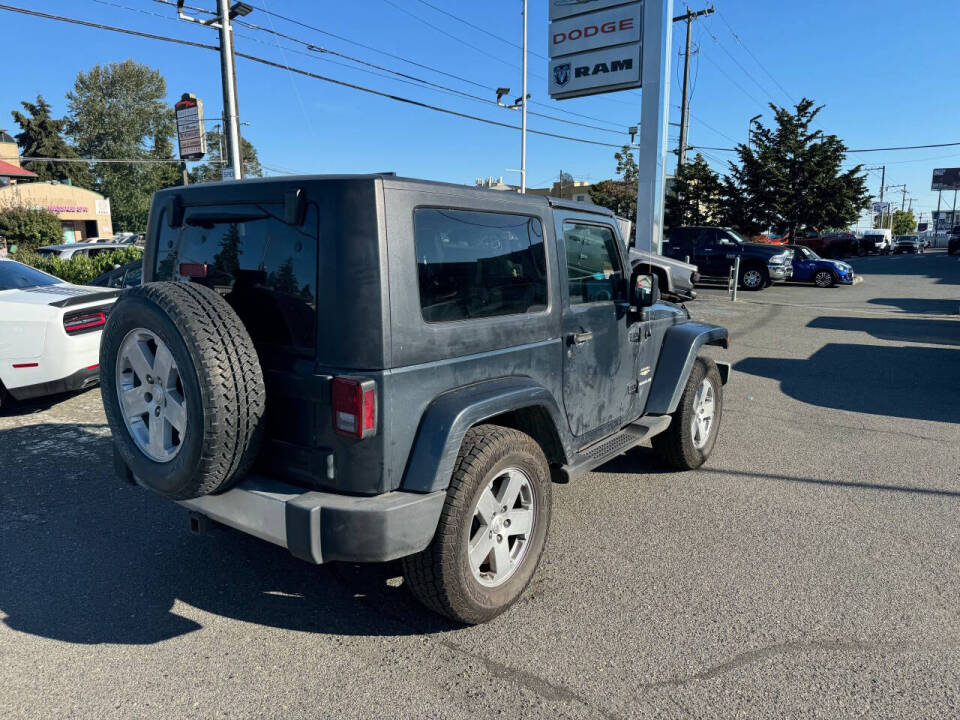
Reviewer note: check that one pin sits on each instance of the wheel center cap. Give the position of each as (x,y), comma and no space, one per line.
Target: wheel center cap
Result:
(158,394)
(497,524)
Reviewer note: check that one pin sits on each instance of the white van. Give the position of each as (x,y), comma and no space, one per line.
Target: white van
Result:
(881,238)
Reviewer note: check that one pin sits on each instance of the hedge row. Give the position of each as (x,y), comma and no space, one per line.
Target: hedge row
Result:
(80,269)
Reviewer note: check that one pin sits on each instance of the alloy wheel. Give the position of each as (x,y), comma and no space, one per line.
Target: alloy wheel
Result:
(502,527)
(151,395)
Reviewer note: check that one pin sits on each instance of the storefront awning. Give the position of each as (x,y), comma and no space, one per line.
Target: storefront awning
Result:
(8,170)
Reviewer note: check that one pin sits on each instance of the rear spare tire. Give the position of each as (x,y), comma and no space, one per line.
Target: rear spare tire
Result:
(182,389)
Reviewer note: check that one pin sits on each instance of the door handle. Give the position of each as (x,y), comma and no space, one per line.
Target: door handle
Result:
(581,337)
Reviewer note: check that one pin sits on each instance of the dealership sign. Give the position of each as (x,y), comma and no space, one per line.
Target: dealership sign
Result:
(946,179)
(190,131)
(616,26)
(595,47)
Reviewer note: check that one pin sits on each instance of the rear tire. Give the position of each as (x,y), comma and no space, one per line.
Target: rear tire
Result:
(472,590)
(687,444)
(182,389)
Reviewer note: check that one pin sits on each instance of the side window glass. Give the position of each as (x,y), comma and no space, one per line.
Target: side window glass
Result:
(132,278)
(594,272)
(478,264)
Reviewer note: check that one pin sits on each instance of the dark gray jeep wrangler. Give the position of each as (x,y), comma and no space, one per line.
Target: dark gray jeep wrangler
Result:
(365,368)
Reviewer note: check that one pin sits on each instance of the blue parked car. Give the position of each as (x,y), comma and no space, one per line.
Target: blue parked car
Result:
(810,267)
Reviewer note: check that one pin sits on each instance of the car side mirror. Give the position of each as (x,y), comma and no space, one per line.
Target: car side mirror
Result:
(644,289)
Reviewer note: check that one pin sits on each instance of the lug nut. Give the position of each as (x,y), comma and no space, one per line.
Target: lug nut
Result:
(149,378)
(499,538)
(506,523)
(503,508)
(157,411)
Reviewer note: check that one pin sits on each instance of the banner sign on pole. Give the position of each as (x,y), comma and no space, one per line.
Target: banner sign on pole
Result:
(190,131)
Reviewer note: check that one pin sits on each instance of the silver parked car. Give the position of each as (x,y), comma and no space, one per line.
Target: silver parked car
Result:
(72,250)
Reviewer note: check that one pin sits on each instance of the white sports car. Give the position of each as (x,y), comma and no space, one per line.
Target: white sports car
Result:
(49,332)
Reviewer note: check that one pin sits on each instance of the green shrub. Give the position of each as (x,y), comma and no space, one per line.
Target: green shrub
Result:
(29,228)
(80,270)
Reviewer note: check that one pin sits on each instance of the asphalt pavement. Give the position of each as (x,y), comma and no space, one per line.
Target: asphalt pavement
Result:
(808,570)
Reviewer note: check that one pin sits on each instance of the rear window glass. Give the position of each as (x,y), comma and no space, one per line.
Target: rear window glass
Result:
(13,275)
(265,268)
(478,264)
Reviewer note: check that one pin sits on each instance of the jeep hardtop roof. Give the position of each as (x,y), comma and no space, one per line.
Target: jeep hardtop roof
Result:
(391,181)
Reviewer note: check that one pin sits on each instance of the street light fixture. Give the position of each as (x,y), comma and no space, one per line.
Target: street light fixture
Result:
(750,128)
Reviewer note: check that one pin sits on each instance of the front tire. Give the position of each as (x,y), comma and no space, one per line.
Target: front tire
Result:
(492,529)
(754,278)
(824,278)
(689,440)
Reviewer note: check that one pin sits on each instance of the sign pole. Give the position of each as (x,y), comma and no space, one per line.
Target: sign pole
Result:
(523,108)
(654,118)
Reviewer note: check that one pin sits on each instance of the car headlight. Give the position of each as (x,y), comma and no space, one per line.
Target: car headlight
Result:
(778,259)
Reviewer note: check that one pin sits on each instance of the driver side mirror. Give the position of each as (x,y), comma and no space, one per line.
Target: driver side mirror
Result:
(644,289)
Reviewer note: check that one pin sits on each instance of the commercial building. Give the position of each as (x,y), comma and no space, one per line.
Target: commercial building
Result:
(578,190)
(82,213)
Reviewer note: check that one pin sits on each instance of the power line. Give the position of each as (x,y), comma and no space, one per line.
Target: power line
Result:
(745,71)
(414,78)
(859,150)
(755,59)
(415,63)
(483,30)
(146,161)
(424,105)
(100,26)
(316,76)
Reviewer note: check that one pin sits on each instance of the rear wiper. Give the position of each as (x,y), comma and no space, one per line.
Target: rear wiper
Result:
(209,219)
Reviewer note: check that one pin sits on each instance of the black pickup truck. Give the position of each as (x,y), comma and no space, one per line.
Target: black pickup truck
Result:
(715,249)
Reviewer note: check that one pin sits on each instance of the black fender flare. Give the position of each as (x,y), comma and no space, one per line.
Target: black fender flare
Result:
(447,419)
(681,344)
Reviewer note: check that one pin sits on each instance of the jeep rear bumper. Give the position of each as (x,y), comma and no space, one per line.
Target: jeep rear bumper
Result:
(319,526)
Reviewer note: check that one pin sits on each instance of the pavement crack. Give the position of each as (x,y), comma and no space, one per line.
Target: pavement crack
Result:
(755,655)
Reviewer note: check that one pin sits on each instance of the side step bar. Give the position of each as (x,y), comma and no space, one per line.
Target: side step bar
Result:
(610,447)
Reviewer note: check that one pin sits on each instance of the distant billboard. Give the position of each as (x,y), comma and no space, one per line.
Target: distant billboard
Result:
(946,179)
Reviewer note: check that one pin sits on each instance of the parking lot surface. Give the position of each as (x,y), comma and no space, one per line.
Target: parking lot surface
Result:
(809,569)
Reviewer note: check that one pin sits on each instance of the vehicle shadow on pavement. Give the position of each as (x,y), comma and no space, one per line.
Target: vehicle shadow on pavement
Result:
(87,559)
(920,306)
(936,332)
(907,382)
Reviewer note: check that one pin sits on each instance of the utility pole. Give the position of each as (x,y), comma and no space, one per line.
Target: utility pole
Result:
(222,21)
(689,17)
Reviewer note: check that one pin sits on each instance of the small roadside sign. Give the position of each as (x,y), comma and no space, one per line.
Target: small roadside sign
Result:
(190,131)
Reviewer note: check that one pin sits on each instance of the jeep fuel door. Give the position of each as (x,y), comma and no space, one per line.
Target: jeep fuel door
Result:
(598,360)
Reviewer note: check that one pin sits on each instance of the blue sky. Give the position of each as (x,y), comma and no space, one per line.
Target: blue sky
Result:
(883,69)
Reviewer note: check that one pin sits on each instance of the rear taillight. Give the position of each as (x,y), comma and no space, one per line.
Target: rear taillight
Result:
(84,321)
(354,405)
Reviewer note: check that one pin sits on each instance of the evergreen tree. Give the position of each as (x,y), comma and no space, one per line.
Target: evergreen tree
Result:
(619,195)
(791,180)
(695,199)
(41,135)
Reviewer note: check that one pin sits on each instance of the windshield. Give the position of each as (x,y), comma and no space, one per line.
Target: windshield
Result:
(14,275)
(809,254)
(735,236)
(908,239)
